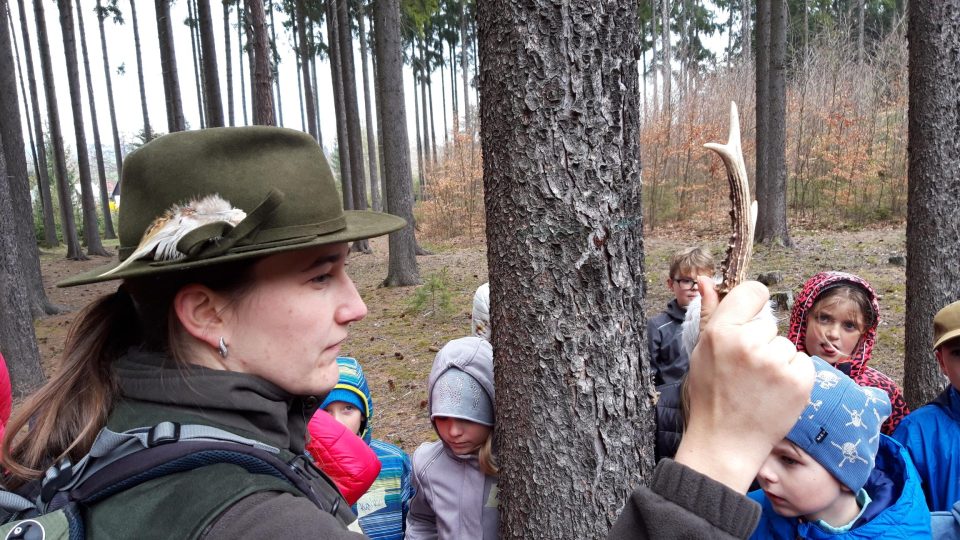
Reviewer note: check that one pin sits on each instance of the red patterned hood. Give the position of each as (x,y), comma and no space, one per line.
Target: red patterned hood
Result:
(808,295)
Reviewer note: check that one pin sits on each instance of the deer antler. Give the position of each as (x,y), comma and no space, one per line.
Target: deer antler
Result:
(743,215)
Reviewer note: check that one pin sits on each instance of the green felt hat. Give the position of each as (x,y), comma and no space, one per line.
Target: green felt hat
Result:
(277,177)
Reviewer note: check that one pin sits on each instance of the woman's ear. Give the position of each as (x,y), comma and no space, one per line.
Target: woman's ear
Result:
(199,310)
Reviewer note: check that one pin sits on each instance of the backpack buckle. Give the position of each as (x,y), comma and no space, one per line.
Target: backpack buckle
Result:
(163,433)
(55,478)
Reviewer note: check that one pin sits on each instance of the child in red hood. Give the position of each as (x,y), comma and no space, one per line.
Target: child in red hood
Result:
(835,317)
(6,396)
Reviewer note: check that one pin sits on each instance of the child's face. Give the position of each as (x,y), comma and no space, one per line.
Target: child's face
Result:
(948,356)
(684,286)
(462,436)
(834,327)
(347,414)
(796,485)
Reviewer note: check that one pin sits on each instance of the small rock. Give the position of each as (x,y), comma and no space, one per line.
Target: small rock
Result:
(398,355)
(391,385)
(897,260)
(770,278)
(782,300)
(434,348)
(423,404)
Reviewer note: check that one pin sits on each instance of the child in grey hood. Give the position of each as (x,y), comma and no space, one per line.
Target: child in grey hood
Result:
(455,478)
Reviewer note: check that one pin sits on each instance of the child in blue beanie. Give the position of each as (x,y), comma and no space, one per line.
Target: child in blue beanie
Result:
(382,511)
(835,475)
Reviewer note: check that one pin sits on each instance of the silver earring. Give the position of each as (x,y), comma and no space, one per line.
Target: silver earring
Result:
(223,348)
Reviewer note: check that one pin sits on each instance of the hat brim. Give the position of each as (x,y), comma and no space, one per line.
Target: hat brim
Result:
(947,337)
(360,225)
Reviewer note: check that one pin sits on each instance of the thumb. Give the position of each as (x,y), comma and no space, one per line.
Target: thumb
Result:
(708,299)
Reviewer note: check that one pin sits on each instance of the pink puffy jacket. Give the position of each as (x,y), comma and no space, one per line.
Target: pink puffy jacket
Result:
(344,456)
(6,396)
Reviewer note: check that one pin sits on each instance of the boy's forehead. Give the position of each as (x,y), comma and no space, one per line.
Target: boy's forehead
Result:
(690,272)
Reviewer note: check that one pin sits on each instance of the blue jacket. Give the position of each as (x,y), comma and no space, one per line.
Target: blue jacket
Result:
(932,436)
(897,509)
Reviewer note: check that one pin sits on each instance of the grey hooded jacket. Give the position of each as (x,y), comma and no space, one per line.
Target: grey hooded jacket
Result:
(454,498)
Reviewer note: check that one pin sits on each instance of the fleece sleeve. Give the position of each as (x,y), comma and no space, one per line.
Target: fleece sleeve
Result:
(682,503)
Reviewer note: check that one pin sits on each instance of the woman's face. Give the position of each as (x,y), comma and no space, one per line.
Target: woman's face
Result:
(289,327)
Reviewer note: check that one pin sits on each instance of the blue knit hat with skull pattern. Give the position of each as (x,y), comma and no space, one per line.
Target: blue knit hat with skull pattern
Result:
(840,428)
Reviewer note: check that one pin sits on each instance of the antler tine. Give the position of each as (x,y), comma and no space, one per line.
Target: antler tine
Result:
(743,215)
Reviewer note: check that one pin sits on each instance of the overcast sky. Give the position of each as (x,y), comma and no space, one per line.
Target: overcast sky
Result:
(126,89)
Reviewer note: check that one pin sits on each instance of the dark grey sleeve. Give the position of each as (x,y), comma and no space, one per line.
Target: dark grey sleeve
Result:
(682,503)
(273,514)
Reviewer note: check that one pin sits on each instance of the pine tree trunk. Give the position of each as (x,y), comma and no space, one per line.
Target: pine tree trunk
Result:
(443,94)
(933,276)
(260,80)
(653,56)
(241,24)
(274,68)
(860,22)
(147,131)
(428,151)
(772,200)
(211,80)
(67,222)
(95,125)
(43,179)
(114,131)
(665,47)
(368,112)
(304,54)
(16,179)
(402,267)
(454,102)
(762,70)
(91,229)
(228,56)
(745,10)
(18,341)
(464,67)
(168,65)
(198,76)
(343,144)
(416,122)
(566,271)
(316,83)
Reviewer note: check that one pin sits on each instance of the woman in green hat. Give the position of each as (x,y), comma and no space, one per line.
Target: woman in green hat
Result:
(232,309)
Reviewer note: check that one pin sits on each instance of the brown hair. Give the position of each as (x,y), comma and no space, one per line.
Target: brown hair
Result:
(66,414)
(691,260)
(853,293)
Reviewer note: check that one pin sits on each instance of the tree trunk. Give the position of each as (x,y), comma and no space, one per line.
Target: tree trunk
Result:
(371,130)
(762,89)
(95,125)
(198,75)
(665,46)
(933,276)
(343,144)
(443,95)
(860,17)
(416,122)
(464,67)
(168,65)
(402,268)
(433,123)
(91,229)
(772,200)
(316,84)
(745,29)
(241,24)
(454,102)
(428,151)
(304,54)
(653,56)
(260,80)
(274,65)
(117,151)
(566,272)
(358,179)
(211,87)
(17,181)
(18,341)
(56,138)
(147,131)
(43,179)
(228,56)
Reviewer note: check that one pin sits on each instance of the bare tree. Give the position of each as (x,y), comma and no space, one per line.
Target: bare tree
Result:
(229,58)
(198,75)
(147,130)
(464,66)
(95,125)
(665,48)
(343,146)
(211,80)
(102,14)
(745,28)
(168,65)
(561,167)
(371,137)
(402,268)
(241,24)
(933,276)
(262,73)
(275,64)
(304,55)
(67,222)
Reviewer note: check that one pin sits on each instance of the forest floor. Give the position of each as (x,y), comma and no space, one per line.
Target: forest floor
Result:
(397,341)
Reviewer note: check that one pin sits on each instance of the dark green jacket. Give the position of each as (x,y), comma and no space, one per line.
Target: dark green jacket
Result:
(216,501)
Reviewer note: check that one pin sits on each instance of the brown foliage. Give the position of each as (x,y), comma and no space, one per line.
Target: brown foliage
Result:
(453,196)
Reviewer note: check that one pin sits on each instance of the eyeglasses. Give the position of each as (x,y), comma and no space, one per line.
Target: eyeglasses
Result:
(689,284)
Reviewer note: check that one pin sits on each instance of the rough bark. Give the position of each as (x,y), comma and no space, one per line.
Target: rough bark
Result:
(228,56)
(43,179)
(368,112)
(304,54)
(64,197)
(772,200)
(91,229)
(343,145)
(262,74)
(198,75)
(211,80)
(762,89)
(95,126)
(933,276)
(18,341)
(114,131)
(17,180)
(147,130)
(168,65)
(745,28)
(559,120)
(402,267)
